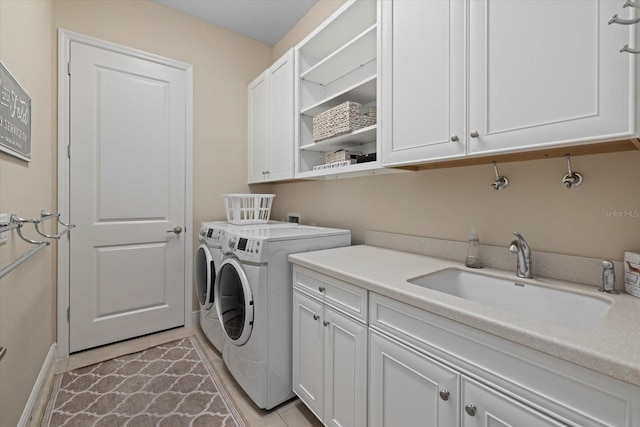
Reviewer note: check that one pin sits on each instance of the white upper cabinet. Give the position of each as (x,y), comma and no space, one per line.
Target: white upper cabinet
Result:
(337,63)
(271,127)
(489,76)
(548,74)
(423,80)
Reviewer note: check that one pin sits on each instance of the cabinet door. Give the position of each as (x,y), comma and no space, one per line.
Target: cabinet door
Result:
(307,351)
(546,73)
(280,127)
(258,129)
(423,80)
(345,370)
(407,388)
(485,407)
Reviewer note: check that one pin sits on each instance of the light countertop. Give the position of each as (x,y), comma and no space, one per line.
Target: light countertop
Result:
(612,348)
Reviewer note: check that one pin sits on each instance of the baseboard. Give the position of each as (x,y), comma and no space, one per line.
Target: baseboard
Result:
(37,387)
(195,318)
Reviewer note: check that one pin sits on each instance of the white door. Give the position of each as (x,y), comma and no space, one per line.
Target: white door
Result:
(407,388)
(423,80)
(258,150)
(545,73)
(127,196)
(308,344)
(484,407)
(280,127)
(345,370)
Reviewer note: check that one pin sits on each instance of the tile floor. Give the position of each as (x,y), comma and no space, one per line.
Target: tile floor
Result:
(290,414)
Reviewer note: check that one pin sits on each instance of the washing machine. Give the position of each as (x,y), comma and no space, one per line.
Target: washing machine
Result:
(254,300)
(207,262)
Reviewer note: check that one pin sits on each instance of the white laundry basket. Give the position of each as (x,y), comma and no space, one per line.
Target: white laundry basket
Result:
(248,208)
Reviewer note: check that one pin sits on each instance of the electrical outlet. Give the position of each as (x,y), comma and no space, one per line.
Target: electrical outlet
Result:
(4,219)
(293,217)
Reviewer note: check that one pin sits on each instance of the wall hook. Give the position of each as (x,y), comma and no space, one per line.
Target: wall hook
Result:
(501,182)
(571,179)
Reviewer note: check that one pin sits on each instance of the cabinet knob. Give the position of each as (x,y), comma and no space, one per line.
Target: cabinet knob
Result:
(474,134)
(316,317)
(444,395)
(321,288)
(454,138)
(325,323)
(470,409)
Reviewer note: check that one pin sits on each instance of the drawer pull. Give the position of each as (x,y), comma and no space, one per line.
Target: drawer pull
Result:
(444,395)
(321,288)
(470,409)
(474,134)
(325,323)
(316,317)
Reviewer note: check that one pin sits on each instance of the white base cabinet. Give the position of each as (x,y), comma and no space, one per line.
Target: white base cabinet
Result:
(408,388)
(329,353)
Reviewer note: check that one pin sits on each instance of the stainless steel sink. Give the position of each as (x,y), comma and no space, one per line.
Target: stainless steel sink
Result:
(550,305)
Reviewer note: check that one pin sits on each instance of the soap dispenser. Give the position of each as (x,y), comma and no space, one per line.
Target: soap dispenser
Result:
(474,259)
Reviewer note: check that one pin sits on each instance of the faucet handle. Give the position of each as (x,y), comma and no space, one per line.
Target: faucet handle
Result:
(608,278)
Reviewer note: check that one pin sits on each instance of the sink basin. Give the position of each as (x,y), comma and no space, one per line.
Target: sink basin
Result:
(550,305)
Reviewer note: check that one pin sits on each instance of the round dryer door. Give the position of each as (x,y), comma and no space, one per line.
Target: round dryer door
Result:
(234,301)
(205,276)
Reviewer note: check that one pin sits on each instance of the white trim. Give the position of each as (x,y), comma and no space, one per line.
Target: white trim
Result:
(36,391)
(65,38)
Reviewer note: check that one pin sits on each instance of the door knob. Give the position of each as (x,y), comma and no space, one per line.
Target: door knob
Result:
(176,230)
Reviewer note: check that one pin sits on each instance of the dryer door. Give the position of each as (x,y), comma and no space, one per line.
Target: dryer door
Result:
(205,277)
(234,301)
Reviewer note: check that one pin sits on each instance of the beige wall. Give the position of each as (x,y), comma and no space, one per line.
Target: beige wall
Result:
(27,295)
(447,203)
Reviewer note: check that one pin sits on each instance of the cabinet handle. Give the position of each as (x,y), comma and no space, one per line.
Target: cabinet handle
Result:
(626,48)
(630,3)
(474,134)
(454,138)
(321,288)
(325,323)
(470,409)
(444,395)
(316,317)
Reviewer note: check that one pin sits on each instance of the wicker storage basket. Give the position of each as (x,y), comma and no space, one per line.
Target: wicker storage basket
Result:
(341,156)
(339,120)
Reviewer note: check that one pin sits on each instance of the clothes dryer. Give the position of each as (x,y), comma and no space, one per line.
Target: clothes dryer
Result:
(254,300)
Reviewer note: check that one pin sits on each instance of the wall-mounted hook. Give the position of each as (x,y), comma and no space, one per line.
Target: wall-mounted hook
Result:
(501,182)
(571,179)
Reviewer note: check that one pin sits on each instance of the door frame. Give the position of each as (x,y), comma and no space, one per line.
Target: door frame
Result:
(65,38)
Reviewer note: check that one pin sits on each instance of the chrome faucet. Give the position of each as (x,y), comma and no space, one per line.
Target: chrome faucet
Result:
(524,265)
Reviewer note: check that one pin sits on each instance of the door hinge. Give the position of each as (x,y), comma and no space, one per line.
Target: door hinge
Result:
(68,314)
(69,150)
(69,68)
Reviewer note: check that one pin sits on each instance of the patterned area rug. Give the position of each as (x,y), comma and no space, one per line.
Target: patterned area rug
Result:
(172,384)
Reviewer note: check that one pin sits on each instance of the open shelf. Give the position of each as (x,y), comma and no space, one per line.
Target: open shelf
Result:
(357,137)
(363,92)
(355,54)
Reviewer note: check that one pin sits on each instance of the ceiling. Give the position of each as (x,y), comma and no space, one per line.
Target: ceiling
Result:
(263,20)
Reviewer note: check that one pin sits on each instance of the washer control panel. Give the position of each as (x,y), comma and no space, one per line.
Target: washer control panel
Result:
(211,236)
(245,248)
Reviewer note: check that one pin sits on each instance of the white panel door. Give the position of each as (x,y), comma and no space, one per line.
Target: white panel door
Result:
(407,388)
(547,73)
(258,116)
(308,351)
(423,80)
(127,195)
(280,126)
(345,371)
(484,407)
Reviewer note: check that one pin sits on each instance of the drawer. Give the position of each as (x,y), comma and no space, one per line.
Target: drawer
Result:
(570,392)
(342,296)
